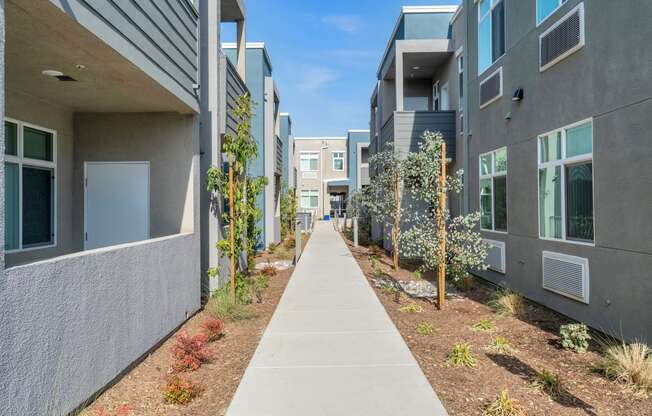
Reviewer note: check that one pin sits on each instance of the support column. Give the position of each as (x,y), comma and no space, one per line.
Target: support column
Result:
(399,79)
(242,49)
(210,141)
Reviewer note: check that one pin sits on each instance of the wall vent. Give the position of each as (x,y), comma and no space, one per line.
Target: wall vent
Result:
(491,89)
(496,255)
(566,275)
(562,39)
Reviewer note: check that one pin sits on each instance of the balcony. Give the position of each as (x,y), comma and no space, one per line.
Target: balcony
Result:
(405,128)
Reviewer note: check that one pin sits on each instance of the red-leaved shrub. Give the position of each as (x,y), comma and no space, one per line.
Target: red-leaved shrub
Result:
(180,390)
(213,328)
(190,352)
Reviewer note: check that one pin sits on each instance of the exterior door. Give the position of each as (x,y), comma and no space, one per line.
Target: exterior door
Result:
(116,203)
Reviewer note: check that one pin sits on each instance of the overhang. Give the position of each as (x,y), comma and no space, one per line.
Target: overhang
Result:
(232,10)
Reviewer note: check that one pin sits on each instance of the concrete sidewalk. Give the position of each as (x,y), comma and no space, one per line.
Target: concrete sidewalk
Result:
(331,349)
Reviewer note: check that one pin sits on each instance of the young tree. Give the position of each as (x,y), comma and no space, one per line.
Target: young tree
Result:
(383,197)
(465,248)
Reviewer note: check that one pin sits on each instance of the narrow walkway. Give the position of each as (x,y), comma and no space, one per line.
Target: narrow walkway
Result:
(331,349)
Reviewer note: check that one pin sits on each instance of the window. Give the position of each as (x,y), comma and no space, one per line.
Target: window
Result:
(338,161)
(309,199)
(566,183)
(309,161)
(491,32)
(436,100)
(547,7)
(460,75)
(30,168)
(493,190)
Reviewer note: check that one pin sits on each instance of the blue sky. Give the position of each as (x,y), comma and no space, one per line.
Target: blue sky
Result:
(324,56)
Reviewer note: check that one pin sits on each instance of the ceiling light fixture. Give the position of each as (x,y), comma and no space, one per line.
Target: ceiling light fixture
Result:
(52,73)
(416,68)
(80,67)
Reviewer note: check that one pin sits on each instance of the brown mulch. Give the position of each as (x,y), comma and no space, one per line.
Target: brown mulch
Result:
(141,387)
(467,391)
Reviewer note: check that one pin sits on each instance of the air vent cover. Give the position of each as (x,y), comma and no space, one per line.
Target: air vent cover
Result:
(496,255)
(566,275)
(491,88)
(562,39)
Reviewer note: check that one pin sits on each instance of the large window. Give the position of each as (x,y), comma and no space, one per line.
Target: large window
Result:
(338,161)
(310,199)
(566,183)
(493,190)
(309,161)
(460,76)
(547,7)
(30,168)
(491,32)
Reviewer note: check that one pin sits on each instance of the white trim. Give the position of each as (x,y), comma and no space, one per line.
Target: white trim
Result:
(149,201)
(322,138)
(493,174)
(582,261)
(500,95)
(459,51)
(309,196)
(503,260)
(536,17)
(360,165)
(250,45)
(563,161)
(572,50)
(359,131)
(284,114)
(22,162)
(333,158)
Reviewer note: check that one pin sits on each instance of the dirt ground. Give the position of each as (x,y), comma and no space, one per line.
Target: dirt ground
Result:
(141,387)
(467,391)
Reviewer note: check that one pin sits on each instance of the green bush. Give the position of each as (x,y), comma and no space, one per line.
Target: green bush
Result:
(461,355)
(500,345)
(548,382)
(575,337)
(484,325)
(424,328)
(224,307)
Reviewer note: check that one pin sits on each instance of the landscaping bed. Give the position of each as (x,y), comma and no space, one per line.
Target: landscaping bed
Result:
(533,340)
(140,392)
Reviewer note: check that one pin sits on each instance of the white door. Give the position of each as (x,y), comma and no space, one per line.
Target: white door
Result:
(116,203)
(445,98)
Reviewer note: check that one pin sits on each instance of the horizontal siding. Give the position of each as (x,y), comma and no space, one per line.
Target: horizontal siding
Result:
(386,134)
(235,88)
(409,126)
(164,32)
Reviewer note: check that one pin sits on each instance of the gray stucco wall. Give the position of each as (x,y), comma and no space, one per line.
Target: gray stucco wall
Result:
(159,37)
(604,81)
(71,324)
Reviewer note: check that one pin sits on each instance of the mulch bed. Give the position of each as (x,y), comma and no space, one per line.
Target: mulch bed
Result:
(141,387)
(467,391)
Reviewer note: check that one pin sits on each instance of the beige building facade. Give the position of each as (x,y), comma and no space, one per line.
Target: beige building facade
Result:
(322,179)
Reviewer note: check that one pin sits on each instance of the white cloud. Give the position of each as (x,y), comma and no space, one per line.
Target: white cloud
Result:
(344,22)
(314,78)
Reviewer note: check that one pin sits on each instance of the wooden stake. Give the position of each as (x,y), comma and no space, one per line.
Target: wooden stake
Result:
(232,227)
(441,278)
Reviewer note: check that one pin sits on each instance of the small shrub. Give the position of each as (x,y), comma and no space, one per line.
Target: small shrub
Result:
(484,325)
(213,328)
(180,390)
(411,308)
(424,328)
(504,406)
(506,302)
(548,382)
(227,309)
(269,271)
(190,352)
(630,365)
(500,345)
(461,355)
(575,337)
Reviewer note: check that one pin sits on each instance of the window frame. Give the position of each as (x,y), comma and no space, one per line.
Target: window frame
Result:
(492,176)
(489,14)
(498,70)
(309,154)
(563,162)
(459,57)
(436,96)
(560,3)
(22,162)
(311,193)
(342,158)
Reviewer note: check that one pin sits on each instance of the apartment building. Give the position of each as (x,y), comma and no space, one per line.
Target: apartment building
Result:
(551,132)
(357,144)
(322,182)
(101,185)
(266,129)
(289,174)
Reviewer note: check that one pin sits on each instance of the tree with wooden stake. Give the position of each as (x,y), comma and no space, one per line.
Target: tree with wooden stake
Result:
(236,187)
(383,197)
(449,246)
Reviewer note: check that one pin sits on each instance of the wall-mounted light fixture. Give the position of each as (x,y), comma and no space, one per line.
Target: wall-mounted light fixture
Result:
(518,94)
